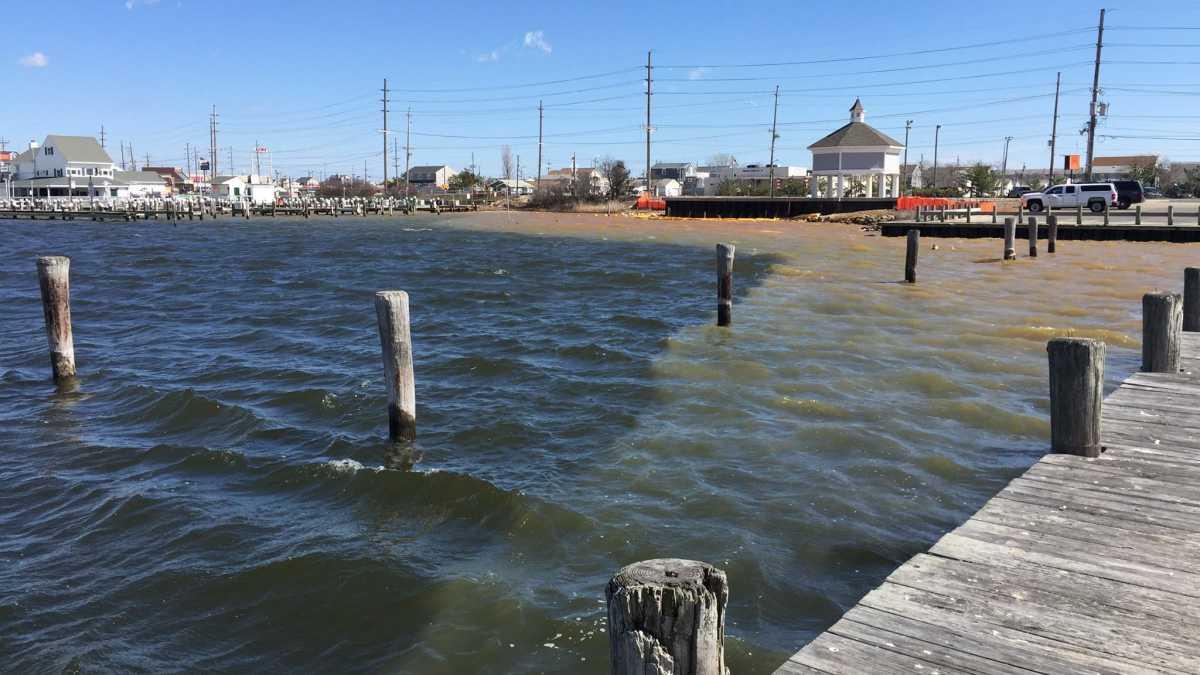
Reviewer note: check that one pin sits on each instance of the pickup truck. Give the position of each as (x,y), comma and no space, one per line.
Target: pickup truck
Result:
(1096,197)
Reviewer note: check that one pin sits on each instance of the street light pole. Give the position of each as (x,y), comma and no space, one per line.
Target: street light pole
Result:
(936,132)
(907,128)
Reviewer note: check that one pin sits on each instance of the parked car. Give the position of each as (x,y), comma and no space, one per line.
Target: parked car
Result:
(1019,190)
(1096,197)
(1152,193)
(1129,192)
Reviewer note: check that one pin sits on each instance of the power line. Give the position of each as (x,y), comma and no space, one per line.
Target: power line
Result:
(527,84)
(919,52)
(877,71)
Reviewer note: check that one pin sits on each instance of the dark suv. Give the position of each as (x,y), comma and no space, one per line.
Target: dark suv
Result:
(1129,192)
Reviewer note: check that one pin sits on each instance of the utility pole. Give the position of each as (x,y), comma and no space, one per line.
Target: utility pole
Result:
(102,136)
(407,150)
(936,132)
(3,144)
(1095,93)
(1004,162)
(231,169)
(385,134)
(574,183)
(539,165)
(395,160)
(774,126)
(212,143)
(122,155)
(132,158)
(649,82)
(187,155)
(147,161)
(907,128)
(1054,131)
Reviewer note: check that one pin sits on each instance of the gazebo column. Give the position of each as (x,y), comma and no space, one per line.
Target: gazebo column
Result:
(812,187)
(841,186)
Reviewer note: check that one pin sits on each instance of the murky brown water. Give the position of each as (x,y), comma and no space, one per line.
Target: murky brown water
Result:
(211,496)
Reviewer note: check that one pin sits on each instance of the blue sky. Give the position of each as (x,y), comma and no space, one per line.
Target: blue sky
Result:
(302,78)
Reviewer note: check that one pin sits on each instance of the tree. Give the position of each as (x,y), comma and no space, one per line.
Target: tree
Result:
(506,162)
(1145,173)
(979,180)
(463,181)
(618,177)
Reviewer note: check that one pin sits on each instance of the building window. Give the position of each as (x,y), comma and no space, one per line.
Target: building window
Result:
(48,151)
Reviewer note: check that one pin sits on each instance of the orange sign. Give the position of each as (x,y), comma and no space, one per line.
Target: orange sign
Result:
(1070,162)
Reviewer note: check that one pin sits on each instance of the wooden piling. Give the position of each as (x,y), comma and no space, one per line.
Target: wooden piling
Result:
(1079,214)
(54,278)
(725,284)
(1162,321)
(667,617)
(1191,299)
(1033,236)
(1170,214)
(1051,233)
(910,256)
(1076,394)
(1137,214)
(391,310)
(1010,239)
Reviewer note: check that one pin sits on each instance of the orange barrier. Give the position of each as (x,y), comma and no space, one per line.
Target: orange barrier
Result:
(910,203)
(645,201)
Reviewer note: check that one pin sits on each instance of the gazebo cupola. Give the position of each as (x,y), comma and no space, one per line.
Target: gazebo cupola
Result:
(856,152)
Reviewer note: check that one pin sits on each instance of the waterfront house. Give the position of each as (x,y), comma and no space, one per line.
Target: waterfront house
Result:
(64,166)
(177,182)
(856,154)
(255,189)
(140,185)
(231,188)
(432,175)
(676,170)
(667,187)
(597,184)
(516,188)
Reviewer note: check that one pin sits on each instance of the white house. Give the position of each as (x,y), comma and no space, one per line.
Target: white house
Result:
(511,186)
(255,189)
(64,166)
(856,151)
(140,184)
(431,175)
(667,187)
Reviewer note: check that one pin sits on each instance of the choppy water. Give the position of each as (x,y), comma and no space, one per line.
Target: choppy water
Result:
(217,492)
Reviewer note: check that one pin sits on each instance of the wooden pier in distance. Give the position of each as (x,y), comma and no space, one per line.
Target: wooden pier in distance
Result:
(1080,565)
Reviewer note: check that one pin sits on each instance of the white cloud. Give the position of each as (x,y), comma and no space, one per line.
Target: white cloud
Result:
(130,4)
(35,60)
(697,73)
(489,57)
(536,39)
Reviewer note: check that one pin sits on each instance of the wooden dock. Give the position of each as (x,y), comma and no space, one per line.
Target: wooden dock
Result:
(1066,231)
(1078,566)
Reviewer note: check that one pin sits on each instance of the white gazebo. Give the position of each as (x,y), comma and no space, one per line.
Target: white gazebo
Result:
(856,151)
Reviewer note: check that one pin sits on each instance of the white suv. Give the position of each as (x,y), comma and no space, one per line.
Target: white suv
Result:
(1097,197)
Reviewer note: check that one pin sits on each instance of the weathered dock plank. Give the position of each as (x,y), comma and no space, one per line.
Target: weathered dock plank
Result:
(1079,565)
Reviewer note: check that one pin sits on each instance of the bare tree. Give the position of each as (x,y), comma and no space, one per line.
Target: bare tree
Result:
(618,176)
(506,162)
(722,159)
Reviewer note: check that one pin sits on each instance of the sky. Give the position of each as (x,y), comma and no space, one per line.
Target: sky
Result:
(303,79)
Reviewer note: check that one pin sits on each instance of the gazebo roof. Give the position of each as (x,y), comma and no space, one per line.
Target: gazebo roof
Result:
(856,134)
